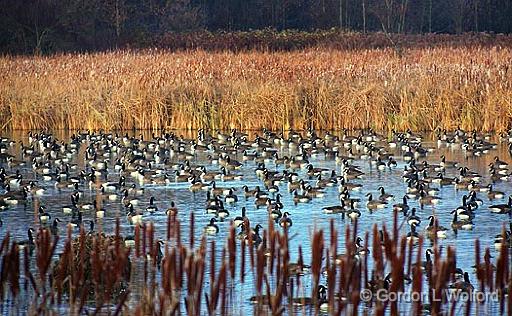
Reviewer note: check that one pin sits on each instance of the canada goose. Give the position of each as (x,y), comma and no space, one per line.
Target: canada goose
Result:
(427,263)
(300,198)
(428,199)
(486,264)
(402,207)
(212,228)
(491,194)
(55,226)
(76,221)
(374,204)
(28,243)
(320,300)
(336,209)
(502,208)
(348,185)
(249,193)
(285,221)
(464,286)
(43,215)
(133,217)
(152,208)
(385,196)
(172,209)
(231,198)
(412,235)
(500,164)
(460,224)
(434,230)
(240,219)
(353,213)
(448,164)
(413,219)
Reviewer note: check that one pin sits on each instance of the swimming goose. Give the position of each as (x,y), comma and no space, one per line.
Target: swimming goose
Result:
(491,194)
(152,208)
(336,209)
(212,228)
(241,219)
(172,209)
(413,219)
(402,207)
(502,208)
(460,223)
(43,215)
(28,243)
(285,221)
(434,230)
(412,235)
(463,286)
(385,196)
(374,204)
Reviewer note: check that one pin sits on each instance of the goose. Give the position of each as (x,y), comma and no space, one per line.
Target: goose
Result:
(28,243)
(500,164)
(133,217)
(114,186)
(239,220)
(43,215)
(434,230)
(448,164)
(172,209)
(502,239)
(427,263)
(374,204)
(231,198)
(402,207)
(320,300)
(222,213)
(336,209)
(353,213)
(300,198)
(473,186)
(385,196)
(502,208)
(428,199)
(491,194)
(285,221)
(76,221)
(68,209)
(212,228)
(460,224)
(129,201)
(14,197)
(463,285)
(486,264)
(250,193)
(152,208)
(413,219)
(54,229)
(412,235)
(348,185)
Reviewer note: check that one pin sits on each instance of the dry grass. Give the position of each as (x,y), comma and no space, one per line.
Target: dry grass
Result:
(419,88)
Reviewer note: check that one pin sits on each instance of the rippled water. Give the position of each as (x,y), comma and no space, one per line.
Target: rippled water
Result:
(306,217)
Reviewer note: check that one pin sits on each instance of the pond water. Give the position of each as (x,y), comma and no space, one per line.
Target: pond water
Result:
(305,216)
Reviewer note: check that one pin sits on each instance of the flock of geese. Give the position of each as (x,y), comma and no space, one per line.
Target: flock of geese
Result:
(95,169)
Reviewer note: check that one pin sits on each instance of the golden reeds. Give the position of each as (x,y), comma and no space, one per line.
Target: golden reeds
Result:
(421,89)
(95,263)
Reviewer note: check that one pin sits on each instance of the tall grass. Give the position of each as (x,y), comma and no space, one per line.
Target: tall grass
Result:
(417,88)
(94,264)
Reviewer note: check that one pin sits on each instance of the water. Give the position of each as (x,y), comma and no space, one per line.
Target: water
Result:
(306,217)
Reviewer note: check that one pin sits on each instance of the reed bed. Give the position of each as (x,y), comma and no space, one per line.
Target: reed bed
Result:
(82,279)
(417,88)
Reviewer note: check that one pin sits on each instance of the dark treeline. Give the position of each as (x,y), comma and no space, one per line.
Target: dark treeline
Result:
(42,26)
